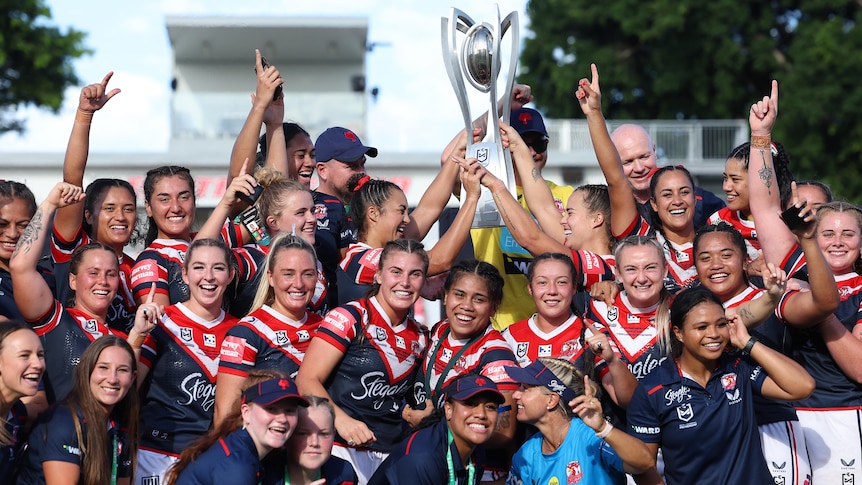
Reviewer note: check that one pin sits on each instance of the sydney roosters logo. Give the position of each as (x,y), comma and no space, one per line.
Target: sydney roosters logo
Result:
(351,136)
(525,118)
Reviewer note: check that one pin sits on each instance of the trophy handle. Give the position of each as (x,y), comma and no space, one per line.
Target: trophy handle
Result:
(457,21)
(510,22)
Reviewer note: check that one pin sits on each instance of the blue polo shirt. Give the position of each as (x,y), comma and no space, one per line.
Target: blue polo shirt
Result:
(421,460)
(54,439)
(582,457)
(232,459)
(11,453)
(707,435)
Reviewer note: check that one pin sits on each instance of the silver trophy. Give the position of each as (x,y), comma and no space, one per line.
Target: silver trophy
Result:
(477,58)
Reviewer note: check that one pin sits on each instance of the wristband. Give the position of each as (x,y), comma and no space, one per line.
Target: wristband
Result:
(761,142)
(748,346)
(605,431)
(82,116)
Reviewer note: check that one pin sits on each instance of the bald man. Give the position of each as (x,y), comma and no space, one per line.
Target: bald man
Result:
(638,154)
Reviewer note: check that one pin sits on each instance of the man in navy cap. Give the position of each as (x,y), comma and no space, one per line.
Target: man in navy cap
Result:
(340,154)
(497,245)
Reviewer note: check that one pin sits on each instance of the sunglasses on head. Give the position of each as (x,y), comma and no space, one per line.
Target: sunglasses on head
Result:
(539,145)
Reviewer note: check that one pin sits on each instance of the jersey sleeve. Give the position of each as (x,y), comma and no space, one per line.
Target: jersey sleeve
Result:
(238,351)
(591,268)
(61,249)
(755,373)
(362,266)
(56,438)
(150,267)
(339,327)
(246,263)
(643,419)
(231,234)
(637,227)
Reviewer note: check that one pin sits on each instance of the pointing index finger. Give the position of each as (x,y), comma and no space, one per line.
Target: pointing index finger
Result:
(595,71)
(107,78)
(774,94)
(152,294)
(588,389)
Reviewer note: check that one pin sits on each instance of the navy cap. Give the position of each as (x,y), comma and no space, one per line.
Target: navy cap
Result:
(273,390)
(528,120)
(341,144)
(467,386)
(538,375)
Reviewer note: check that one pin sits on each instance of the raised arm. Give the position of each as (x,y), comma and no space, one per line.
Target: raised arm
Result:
(522,226)
(92,98)
(242,184)
(806,308)
(538,195)
(32,294)
(432,203)
(786,380)
(444,252)
(245,146)
(775,238)
(624,210)
(521,95)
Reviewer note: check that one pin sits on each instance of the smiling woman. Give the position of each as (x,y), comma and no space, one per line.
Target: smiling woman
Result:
(448,447)
(179,360)
(70,444)
(364,358)
(675,407)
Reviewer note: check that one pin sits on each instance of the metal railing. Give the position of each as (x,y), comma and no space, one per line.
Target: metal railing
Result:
(687,142)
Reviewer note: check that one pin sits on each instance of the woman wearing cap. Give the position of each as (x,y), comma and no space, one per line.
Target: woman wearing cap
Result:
(552,392)
(230,455)
(447,451)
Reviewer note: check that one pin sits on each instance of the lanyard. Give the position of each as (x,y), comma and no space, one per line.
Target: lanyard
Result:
(287,475)
(471,468)
(432,357)
(115,449)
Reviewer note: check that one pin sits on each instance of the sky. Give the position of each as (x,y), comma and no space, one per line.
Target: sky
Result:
(416,110)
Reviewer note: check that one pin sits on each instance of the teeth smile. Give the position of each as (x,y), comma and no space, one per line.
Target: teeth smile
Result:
(478,427)
(677,212)
(402,293)
(719,275)
(209,287)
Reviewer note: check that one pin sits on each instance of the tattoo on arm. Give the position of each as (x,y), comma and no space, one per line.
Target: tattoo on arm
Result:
(765,173)
(746,315)
(31,234)
(536,173)
(504,420)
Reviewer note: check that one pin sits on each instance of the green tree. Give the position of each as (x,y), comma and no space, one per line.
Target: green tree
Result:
(690,59)
(35,60)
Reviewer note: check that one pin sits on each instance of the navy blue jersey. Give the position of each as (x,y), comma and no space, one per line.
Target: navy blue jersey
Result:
(336,471)
(65,334)
(232,459)
(8,307)
(267,339)
(378,368)
(121,313)
(421,460)
(183,361)
(54,439)
(251,260)
(335,231)
(707,435)
(162,262)
(776,335)
(10,454)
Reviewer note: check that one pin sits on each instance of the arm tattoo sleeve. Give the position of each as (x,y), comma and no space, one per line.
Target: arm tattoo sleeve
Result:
(31,234)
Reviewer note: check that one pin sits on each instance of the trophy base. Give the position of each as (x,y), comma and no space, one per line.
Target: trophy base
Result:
(498,161)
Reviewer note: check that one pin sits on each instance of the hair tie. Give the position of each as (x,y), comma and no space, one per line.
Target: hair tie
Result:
(361,182)
(773,148)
